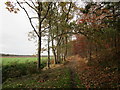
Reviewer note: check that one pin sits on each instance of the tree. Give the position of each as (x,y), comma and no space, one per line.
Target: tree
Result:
(59,25)
(41,9)
(99,23)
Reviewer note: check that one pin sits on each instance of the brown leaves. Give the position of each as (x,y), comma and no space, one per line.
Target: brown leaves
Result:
(97,77)
(11,7)
(95,17)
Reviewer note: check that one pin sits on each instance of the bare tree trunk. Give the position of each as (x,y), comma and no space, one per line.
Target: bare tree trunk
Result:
(48,63)
(58,46)
(55,56)
(39,53)
(66,42)
(58,54)
(39,39)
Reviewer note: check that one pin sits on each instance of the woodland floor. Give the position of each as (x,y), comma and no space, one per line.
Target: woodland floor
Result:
(93,76)
(75,73)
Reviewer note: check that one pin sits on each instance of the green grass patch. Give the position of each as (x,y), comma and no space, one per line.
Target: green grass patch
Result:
(20,60)
(19,66)
(57,78)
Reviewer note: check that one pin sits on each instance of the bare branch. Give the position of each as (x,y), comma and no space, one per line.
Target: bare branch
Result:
(69,11)
(47,28)
(65,33)
(28,18)
(33,3)
(31,6)
(34,18)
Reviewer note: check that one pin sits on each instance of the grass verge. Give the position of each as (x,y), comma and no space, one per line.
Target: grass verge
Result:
(56,78)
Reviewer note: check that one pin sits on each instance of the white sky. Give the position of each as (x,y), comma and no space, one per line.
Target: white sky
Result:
(14,30)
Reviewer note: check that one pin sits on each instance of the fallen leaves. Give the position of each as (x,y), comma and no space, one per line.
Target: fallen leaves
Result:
(99,78)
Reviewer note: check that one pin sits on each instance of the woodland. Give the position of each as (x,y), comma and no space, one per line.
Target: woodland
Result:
(84,40)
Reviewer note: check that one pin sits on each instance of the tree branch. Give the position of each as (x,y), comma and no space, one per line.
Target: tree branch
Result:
(46,12)
(31,6)
(68,11)
(70,33)
(28,18)
(34,17)
(33,3)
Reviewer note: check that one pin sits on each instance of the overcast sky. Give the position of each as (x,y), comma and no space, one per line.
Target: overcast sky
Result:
(14,30)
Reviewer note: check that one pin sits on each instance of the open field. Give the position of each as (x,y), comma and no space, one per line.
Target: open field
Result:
(19,66)
(20,60)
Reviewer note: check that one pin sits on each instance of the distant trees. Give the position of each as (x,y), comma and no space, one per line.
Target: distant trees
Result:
(79,46)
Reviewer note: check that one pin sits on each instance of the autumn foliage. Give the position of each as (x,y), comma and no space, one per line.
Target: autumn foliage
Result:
(80,46)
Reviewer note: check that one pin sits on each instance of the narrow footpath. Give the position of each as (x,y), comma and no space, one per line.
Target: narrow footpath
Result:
(75,66)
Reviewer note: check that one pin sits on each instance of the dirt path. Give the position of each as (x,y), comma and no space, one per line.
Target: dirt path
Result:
(75,66)
(71,67)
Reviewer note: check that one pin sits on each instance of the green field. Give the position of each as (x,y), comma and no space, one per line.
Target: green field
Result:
(20,60)
(19,66)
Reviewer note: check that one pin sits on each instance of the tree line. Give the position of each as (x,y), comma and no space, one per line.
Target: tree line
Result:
(95,27)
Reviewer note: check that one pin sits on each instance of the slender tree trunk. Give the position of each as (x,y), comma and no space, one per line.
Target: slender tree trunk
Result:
(58,46)
(55,56)
(39,53)
(66,51)
(48,63)
(39,38)
(58,54)
(63,49)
